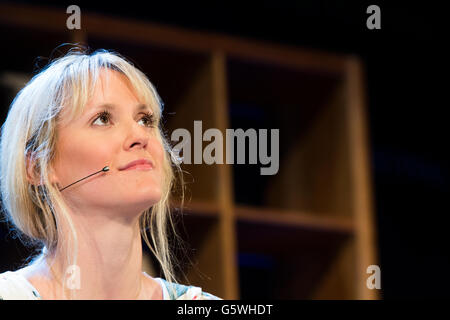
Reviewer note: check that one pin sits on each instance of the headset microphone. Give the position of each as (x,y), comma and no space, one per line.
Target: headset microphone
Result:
(103,170)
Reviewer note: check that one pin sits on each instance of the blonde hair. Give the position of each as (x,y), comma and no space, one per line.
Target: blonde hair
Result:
(29,132)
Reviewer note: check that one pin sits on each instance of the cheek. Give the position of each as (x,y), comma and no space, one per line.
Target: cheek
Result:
(79,156)
(156,150)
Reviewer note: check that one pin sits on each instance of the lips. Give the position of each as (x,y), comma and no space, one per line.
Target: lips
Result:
(136,163)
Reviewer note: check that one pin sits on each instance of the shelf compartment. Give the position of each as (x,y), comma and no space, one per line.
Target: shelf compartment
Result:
(309,109)
(285,260)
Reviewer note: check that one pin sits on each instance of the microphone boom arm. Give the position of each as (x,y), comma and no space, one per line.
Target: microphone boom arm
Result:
(104,169)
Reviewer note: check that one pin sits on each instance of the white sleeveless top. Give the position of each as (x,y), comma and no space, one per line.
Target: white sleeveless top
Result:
(14,286)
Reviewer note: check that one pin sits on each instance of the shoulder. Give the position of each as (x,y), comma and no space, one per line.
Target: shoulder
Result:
(13,286)
(175,291)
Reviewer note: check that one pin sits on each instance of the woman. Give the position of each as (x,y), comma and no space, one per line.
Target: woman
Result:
(83,113)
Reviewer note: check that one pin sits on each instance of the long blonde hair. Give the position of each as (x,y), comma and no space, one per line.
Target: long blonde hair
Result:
(29,132)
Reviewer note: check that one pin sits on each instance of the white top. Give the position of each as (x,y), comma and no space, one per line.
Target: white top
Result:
(14,286)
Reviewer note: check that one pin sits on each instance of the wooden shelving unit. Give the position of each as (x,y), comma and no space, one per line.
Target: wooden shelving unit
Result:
(306,232)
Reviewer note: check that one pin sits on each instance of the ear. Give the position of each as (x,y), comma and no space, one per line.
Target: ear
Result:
(52,176)
(32,176)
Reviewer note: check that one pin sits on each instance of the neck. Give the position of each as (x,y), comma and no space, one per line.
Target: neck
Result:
(109,259)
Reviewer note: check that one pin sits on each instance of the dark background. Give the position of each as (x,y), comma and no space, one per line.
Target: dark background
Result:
(404,65)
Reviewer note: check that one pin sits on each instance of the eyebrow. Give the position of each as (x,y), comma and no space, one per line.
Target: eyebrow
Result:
(112,106)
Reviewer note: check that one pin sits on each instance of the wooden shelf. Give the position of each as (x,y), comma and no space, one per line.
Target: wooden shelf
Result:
(306,232)
(294,219)
(132,31)
(272,217)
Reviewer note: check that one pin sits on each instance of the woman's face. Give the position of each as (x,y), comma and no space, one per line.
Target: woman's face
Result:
(123,134)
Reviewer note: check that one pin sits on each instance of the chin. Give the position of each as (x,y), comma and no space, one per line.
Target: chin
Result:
(152,197)
(135,205)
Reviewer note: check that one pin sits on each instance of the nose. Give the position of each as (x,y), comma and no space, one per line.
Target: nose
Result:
(136,137)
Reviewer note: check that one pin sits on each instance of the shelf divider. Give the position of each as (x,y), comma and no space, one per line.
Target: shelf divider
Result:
(294,219)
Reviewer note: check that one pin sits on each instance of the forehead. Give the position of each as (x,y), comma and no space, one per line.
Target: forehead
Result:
(111,89)
(113,85)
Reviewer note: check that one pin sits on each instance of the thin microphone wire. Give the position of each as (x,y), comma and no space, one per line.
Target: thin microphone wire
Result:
(104,169)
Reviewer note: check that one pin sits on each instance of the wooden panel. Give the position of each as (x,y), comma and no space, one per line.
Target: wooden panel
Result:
(226,202)
(196,104)
(216,251)
(294,218)
(79,37)
(362,202)
(340,281)
(144,32)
